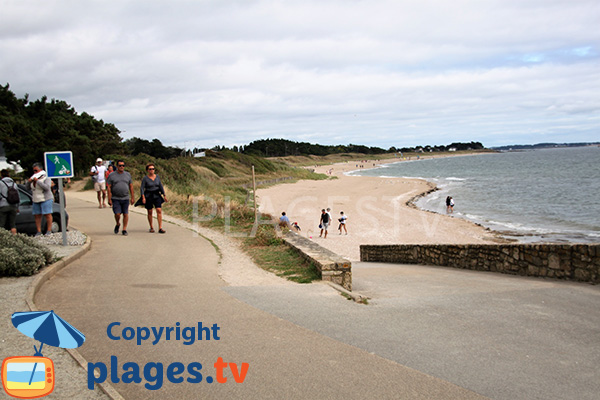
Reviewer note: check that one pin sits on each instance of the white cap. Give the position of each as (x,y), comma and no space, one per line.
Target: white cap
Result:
(98,160)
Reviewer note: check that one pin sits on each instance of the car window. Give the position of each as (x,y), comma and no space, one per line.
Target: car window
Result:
(25,199)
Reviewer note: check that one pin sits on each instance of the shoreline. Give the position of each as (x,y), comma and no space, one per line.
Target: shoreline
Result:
(509,230)
(378,210)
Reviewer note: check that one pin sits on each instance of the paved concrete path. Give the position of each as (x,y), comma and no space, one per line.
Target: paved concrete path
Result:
(152,280)
(506,337)
(72,383)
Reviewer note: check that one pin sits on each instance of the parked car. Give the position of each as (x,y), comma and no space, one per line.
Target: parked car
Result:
(26,221)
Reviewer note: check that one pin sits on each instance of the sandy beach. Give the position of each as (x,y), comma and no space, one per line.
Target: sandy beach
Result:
(376,210)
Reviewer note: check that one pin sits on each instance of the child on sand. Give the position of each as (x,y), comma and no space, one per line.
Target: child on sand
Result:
(342,220)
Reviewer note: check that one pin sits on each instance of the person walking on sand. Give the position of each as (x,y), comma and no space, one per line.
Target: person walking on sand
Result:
(448,204)
(324,223)
(98,174)
(451,205)
(342,220)
(153,195)
(41,189)
(120,195)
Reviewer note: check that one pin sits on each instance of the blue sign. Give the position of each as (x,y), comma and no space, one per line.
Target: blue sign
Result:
(59,164)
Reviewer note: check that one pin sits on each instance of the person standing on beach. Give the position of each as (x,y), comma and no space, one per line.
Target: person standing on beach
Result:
(98,174)
(449,205)
(324,222)
(342,220)
(153,195)
(120,195)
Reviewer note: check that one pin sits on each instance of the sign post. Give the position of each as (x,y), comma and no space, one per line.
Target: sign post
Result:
(59,164)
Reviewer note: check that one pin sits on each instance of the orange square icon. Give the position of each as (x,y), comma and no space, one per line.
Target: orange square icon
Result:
(27,377)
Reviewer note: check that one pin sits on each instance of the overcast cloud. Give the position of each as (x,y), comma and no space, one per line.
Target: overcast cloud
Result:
(380,73)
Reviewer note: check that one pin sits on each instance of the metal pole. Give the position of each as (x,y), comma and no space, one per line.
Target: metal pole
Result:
(63,219)
(254,194)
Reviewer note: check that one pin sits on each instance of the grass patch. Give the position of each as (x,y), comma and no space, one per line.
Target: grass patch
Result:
(89,185)
(283,261)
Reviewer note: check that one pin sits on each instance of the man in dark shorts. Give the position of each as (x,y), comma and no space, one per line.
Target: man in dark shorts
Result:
(324,222)
(120,195)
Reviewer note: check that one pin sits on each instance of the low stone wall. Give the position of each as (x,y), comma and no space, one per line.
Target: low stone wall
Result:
(332,267)
(579,262)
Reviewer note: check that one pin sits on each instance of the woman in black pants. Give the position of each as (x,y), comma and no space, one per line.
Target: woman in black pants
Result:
(153,195)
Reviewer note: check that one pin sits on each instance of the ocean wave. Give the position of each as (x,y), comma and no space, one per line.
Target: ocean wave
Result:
(516,226)
(452,178)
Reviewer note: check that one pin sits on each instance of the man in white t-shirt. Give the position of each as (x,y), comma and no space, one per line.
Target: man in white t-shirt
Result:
(98,174)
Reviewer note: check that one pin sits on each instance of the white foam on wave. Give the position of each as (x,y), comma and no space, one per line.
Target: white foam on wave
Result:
(518,227)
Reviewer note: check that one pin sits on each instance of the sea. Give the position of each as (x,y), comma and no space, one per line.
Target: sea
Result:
(536,196)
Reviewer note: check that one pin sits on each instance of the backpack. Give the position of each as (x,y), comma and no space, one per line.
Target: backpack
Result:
(12,194)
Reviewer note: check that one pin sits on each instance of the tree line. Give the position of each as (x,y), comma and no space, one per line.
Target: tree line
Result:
(30,128)
(284,147)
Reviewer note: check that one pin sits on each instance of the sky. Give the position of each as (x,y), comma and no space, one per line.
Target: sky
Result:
(377,72)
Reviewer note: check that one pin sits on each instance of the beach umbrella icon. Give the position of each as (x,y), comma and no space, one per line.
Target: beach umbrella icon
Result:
(48,328)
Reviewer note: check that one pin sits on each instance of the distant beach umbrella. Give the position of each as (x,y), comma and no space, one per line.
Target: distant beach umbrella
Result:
(48,328)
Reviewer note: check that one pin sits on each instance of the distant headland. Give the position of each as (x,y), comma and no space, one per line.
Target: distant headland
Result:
(542,146)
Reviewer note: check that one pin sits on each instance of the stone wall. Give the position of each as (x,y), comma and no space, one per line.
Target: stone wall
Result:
(332,267)
(579,262)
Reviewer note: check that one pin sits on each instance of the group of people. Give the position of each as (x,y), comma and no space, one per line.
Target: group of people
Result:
(325,221)
(42,193)
(113,186)
(284,222)
(116,188)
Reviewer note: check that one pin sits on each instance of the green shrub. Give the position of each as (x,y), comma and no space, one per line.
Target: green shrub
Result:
(21,255)
(266,236)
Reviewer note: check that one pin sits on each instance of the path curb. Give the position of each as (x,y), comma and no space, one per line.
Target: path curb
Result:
(357,297)
(46,275)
